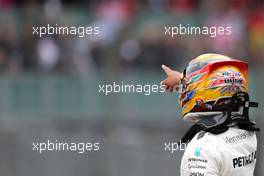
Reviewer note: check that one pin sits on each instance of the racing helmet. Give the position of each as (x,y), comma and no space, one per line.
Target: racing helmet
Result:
(209,80)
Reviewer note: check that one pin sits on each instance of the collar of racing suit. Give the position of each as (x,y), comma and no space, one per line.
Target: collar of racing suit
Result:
(218,122)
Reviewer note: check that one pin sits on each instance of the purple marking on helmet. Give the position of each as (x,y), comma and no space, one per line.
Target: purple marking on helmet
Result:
(190,95)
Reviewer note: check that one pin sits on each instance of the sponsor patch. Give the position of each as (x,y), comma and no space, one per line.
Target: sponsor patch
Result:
(197,151)
(227,78)
(196,174)
(196,166)
(197,160)
(244,160)
(237,138)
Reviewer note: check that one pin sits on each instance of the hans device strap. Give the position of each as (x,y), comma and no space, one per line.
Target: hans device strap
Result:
(219,123)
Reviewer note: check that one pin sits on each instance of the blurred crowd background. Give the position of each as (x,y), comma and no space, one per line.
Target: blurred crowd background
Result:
(132,33)
(49,84)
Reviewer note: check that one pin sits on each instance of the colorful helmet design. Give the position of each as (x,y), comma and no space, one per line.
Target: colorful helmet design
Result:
(211,79)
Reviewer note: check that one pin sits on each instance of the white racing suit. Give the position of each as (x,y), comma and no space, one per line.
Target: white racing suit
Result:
(231,153)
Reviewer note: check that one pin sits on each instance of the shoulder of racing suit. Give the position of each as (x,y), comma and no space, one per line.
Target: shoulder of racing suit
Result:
(221,154)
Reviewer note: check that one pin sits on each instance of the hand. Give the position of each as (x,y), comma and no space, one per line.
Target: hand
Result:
(173,79)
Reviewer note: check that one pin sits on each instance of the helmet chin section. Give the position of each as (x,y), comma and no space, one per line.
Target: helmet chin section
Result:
(196,116)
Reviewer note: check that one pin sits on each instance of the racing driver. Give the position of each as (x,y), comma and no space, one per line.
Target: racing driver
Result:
(213,94)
